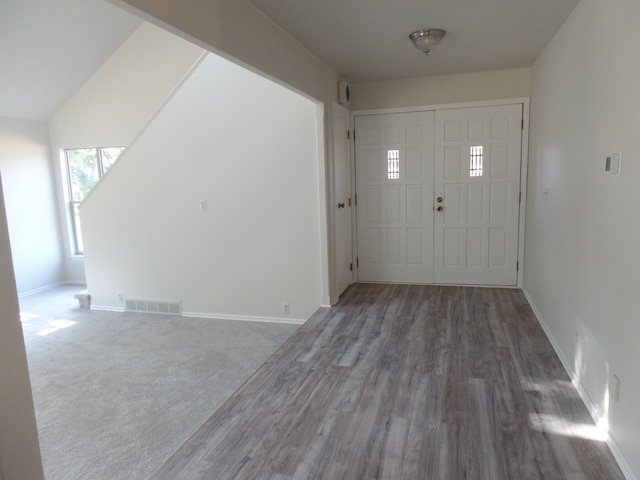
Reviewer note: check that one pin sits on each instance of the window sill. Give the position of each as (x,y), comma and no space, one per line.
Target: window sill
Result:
(77,258)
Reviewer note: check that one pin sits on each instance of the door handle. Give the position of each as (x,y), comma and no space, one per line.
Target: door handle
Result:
(440,208)
(341,205)
(439,199)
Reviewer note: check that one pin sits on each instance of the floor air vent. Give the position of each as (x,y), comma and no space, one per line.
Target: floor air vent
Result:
(153,306)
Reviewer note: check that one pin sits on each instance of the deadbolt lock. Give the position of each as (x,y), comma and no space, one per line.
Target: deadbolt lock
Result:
(440,208)
(439,199)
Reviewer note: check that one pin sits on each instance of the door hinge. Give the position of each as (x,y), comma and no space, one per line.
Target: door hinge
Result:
(348,134)
(519,197)
(517,265)
(357,262)
(351,267)
(355,199)
(349,202)
(354,135)
(522,125)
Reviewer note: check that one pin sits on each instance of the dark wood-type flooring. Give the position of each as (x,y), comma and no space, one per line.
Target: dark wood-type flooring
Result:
(405,382)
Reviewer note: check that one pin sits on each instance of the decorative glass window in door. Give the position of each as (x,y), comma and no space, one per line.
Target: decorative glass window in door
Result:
(475,163)
(393,164)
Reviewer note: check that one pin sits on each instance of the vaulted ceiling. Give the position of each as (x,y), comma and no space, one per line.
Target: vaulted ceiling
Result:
(49,48)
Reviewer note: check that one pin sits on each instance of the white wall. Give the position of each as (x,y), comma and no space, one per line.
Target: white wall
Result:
(581,262)
(116,102)
(249,148)
(442,89)
(221,26)
(31,201)
(19,447)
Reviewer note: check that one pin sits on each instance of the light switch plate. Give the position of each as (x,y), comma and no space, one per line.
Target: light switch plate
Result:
(616,159)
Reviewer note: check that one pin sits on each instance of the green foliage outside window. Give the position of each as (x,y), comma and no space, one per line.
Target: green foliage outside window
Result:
(85,166)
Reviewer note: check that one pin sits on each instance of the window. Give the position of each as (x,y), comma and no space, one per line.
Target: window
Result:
(84,168)
(475,162)
(393,164)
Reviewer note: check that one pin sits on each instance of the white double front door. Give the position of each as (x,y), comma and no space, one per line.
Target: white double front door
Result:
(438,196)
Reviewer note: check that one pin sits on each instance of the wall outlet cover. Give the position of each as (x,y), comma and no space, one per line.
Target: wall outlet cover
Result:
(616,159)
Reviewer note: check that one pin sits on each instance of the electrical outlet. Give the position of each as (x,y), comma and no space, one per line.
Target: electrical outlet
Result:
(285,307)
(615,388)
(612,163)
(616,160)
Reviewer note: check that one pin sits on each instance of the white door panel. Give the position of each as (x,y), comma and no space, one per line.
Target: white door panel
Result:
(438,196)
(342,197)
(394,185)
(477,175)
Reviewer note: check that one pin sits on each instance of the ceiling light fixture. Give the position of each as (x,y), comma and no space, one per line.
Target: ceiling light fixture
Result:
(427,39)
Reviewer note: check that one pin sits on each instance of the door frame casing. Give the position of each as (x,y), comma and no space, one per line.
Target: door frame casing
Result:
(337,109)
(524,101)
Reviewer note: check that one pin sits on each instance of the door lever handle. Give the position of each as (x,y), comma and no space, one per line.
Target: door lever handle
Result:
(341,205)
(440,208)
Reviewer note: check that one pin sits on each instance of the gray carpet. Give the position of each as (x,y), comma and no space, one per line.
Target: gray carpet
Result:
(116,394)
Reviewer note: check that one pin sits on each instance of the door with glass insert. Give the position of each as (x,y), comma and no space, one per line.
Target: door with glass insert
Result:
(477,187)
(394,186)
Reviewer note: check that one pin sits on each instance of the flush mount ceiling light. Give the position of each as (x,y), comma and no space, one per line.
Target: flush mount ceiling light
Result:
(427,38)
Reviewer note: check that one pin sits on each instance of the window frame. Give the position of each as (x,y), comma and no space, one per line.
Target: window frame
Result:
(77,244)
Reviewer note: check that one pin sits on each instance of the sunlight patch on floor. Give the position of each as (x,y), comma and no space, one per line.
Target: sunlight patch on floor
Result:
(548,386)
(55,326)
(28,316)
(558,426)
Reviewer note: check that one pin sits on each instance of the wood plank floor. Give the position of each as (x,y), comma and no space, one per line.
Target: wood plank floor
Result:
(405,382)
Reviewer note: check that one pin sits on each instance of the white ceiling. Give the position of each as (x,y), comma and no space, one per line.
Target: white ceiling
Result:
(49,48)
(368,39)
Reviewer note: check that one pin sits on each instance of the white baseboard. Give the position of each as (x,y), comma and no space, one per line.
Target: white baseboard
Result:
(584,396)
(107,308)
(244,318)
(215,316)
(50,287)
(41,289)
(622,462)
